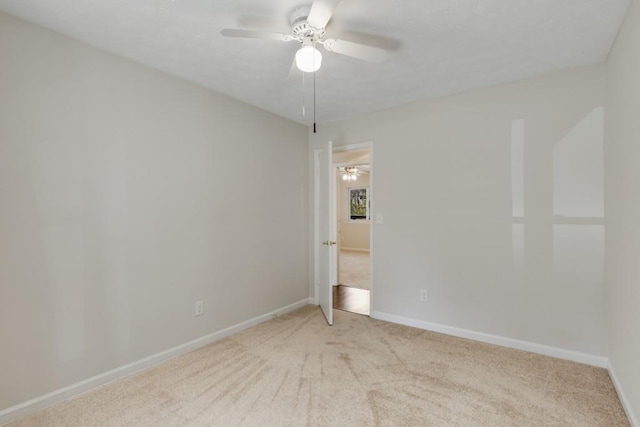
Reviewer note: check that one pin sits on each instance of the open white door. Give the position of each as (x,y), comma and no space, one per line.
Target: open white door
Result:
(325,246)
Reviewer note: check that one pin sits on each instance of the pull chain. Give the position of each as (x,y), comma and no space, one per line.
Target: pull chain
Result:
(314,91)
(304,111)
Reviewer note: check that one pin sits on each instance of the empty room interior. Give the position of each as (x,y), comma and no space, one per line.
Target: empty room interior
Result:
(189,190)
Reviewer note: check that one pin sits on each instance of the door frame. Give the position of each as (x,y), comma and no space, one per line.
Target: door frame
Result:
(352,147)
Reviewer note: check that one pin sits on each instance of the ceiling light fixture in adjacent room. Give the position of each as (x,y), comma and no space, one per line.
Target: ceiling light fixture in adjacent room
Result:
(350,174)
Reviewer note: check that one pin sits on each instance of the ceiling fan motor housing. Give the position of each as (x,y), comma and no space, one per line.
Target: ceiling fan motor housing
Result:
(300,26)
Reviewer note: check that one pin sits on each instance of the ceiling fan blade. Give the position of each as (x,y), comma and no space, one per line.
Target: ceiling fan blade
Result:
(321,12)
(356,50)
(229,32)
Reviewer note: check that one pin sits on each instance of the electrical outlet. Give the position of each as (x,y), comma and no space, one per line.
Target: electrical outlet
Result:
(199,308)
(423,295)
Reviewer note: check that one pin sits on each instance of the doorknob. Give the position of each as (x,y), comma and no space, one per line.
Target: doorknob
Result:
(329,243)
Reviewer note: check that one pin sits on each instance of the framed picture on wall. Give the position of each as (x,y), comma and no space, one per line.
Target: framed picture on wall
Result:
(359,204)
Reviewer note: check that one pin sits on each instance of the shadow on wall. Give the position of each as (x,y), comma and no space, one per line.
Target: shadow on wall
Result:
(503,220)
(559,255)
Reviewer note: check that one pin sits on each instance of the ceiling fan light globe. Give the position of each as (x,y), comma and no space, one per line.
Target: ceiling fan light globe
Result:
(308,59)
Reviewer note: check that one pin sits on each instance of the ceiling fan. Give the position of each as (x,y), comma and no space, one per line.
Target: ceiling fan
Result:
(308,27)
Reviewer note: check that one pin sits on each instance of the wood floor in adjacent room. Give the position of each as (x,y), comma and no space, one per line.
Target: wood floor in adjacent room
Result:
(351,299)
(352,293)
(295,370)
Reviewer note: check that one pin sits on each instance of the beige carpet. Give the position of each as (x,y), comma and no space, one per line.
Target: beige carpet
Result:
(354,269)
(295,370)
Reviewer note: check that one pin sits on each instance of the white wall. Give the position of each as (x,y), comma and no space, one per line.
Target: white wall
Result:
(353,234)
(623,210)
(503,223)
(126,195)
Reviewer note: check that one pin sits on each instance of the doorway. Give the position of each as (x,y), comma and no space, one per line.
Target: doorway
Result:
(352,167)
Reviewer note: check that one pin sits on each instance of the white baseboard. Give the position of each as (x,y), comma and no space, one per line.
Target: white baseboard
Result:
(633,420)
(342,248)
(588,359)
(23,409)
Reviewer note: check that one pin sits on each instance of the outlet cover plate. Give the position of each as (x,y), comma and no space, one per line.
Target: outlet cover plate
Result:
(199,308)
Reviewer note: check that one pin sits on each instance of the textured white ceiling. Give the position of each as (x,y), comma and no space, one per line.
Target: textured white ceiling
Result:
(439,46)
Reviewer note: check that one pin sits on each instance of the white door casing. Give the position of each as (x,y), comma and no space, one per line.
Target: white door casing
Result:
(372,221)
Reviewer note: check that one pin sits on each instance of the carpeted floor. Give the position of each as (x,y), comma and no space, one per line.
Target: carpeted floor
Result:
(354,269)
(295,370)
